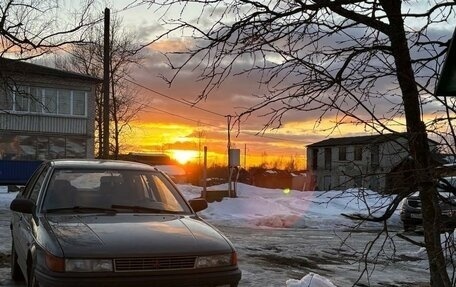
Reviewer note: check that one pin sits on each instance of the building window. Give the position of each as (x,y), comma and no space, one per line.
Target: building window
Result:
(79,103)
(375,156)
(50,101)
(328,158)
(358,153)
(344,181)
(6,98)
(75,148)
(21,99)
(44,100)
(358,181)
(64,102)
(314,158)
(36,100)
(32,147)
(342,153)
(327,182)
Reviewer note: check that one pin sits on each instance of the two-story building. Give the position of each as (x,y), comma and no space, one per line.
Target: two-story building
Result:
(45,113)
(364,161)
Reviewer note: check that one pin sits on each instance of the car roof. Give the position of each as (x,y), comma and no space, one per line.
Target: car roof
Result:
(99,164)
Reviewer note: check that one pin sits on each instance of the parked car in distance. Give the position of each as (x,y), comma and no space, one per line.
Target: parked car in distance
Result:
(114,223)
(411,214)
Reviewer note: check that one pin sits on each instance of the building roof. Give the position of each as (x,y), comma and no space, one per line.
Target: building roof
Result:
(13,66)
(360,140)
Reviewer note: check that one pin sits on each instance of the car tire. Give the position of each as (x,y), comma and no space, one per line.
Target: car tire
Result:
(31,278)
(16,273)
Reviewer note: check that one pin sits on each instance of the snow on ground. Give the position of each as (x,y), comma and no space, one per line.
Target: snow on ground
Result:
(273,208)
(311,279)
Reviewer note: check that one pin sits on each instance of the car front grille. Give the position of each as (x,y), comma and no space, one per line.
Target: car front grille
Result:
(154,263)
(415,203)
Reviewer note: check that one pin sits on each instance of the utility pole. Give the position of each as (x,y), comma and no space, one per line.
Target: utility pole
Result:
(245,156)
(229,156)
(106,84)
(204,193)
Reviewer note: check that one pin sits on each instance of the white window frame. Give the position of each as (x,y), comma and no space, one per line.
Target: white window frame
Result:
(39,102)
(39,97)
(70,103)
(15,102)
(85,103)
(45,107)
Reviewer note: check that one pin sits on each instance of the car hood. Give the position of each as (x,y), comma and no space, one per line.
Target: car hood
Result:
(125,235)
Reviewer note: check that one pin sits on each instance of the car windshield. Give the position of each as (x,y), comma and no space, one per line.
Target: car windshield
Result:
(133,191)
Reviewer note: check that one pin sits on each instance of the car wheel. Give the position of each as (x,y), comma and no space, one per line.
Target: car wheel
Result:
(31,278)
(16,273)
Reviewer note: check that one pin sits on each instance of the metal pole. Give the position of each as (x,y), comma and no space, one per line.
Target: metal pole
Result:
(204,195)
(245,156)
(229,156)
(106,85)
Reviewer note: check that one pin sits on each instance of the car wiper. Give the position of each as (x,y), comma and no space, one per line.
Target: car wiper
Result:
(82,209)
(143,209)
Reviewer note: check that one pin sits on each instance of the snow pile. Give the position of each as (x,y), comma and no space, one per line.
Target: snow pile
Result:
(310,280)
(255,206)
(448,244)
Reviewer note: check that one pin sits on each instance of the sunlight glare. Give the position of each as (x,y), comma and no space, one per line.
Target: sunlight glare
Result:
(184,156)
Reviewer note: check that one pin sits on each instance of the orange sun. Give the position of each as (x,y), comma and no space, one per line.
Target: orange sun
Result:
(184,156)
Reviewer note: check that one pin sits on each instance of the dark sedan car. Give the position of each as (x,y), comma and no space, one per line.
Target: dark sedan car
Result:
(114,223)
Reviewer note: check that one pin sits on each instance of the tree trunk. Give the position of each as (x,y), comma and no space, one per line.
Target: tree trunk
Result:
(418,144)
(100,125)
(115,119)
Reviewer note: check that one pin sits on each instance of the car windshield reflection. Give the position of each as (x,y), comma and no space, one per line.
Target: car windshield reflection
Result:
(112,191)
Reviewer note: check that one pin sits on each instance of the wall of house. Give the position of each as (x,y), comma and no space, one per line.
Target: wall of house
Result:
(367,171)
(61,126)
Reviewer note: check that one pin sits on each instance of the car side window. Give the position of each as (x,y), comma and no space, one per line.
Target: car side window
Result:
(28,187)
(34,192)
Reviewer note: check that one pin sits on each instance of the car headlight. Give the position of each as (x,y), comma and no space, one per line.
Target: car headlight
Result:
(216,260)
(88,265)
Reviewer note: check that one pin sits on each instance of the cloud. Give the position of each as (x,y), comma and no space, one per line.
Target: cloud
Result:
(171,45)
(242,90)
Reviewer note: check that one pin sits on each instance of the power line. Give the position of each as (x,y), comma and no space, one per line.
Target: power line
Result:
(176,100)
(179,116)
(206,110)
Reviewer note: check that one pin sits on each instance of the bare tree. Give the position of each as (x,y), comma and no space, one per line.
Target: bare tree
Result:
(124,54)
(30,28)
(344,59)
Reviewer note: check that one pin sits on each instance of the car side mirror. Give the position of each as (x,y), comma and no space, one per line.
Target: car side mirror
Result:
(198,204)
(22,205)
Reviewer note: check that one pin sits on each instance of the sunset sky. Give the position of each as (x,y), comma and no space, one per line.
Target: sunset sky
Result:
(170,123)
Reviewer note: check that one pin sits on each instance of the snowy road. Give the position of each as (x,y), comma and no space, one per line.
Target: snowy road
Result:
(268,257)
